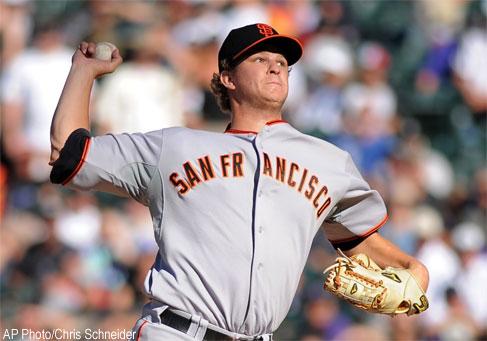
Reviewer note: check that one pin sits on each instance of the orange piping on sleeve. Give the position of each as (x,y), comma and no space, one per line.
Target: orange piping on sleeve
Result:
(139,332)
(80,163)
(365,235)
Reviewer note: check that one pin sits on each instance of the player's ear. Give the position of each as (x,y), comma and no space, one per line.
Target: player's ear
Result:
(226,79)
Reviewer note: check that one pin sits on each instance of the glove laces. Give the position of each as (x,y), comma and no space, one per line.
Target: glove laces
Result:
(349,263)
(342,260)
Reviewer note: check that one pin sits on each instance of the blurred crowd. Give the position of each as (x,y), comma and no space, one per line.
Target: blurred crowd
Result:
(401,85)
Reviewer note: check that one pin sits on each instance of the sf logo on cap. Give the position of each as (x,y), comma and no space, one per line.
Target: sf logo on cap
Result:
(265,30)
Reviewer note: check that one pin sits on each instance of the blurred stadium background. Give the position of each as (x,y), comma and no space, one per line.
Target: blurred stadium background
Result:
(401,85)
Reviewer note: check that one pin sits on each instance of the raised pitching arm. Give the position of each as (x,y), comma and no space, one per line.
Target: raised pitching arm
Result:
(72,111)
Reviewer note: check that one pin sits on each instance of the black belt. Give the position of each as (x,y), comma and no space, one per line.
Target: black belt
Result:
(182,324)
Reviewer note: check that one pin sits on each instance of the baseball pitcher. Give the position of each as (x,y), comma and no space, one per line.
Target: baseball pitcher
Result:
(235,213)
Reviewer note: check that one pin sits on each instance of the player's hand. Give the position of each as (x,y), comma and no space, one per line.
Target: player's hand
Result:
(359,280)
(421,274)
(84,58)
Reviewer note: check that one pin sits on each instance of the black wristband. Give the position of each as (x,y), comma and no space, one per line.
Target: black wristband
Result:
(347,245)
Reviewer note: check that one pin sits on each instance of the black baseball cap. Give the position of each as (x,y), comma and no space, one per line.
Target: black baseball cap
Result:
(243,41)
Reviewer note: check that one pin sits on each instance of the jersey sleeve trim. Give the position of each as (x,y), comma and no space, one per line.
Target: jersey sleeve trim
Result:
(81,161)
(71,157)
(139,332)
(348,243)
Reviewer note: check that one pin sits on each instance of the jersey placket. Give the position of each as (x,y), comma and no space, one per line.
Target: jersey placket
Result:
(258,235)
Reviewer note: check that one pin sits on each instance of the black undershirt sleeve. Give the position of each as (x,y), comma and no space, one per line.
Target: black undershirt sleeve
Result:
(347,245)
(70,156)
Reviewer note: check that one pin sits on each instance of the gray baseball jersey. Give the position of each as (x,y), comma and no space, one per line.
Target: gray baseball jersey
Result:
(234,214)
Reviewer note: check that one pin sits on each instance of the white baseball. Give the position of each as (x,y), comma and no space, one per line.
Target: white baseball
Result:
(104,50)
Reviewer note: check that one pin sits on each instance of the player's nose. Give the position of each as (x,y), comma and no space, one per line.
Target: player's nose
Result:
(274,67)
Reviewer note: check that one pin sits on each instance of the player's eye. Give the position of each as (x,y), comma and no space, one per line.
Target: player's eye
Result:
(282,63)
(260,60)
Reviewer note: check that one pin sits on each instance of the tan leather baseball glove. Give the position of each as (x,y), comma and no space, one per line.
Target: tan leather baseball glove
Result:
(359,280)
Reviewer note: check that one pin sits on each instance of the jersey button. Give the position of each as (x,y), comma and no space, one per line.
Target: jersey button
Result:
(260,193)
(261,229)
(260,266)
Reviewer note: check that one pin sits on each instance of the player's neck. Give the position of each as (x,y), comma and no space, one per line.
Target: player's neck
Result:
(252,121)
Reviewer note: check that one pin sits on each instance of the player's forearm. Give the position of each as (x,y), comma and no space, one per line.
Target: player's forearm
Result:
(72,111)
(385,253)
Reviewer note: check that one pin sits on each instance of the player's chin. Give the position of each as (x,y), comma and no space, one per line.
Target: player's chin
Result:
(275,102)
(279,98)
(277,93)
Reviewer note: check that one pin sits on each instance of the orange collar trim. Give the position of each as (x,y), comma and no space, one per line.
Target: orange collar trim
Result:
(229,130)
(275,122)
(236,131)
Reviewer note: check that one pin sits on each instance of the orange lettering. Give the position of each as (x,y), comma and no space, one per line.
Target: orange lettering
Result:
(301,184)
(191,174)
(237,164)
(267,166)
(177,182)
(280,169)
(323,207)
(324,190)
(206,168)
(265,30)
(311,187)
(290,181)
(225,164)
